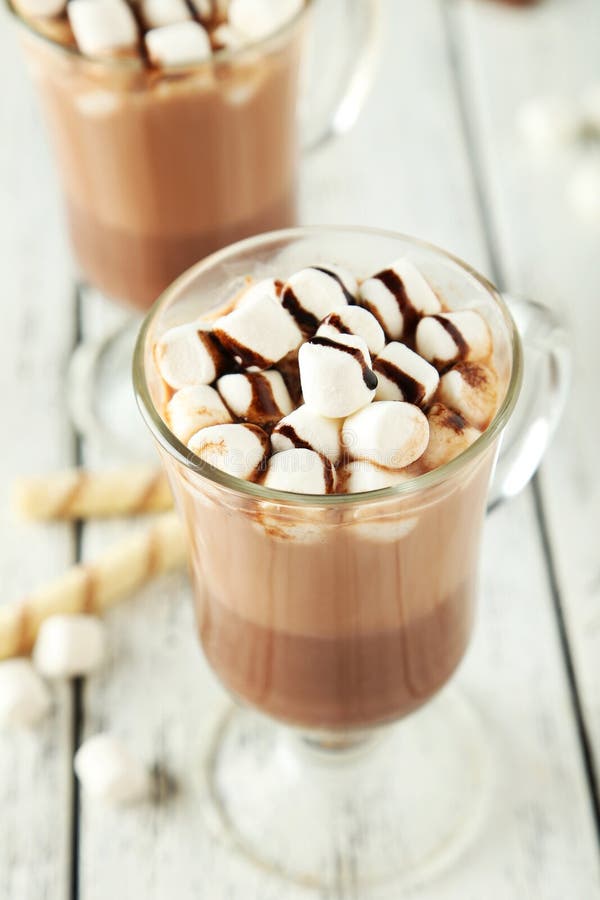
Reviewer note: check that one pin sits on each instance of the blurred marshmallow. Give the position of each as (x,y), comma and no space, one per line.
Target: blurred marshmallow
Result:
(311,294)
(548,123)
(180,44)
(109,772)
(590,106)
(24,698)
(195,407)
(259,332)
(583,189)
(187,354)
(239,450)
(449,435)
(361,475)
(259,397)
(471,389)
(229,38)
(300,471)
(70,646)
(102,26)
(387,433)
(354,320)
(45,9)
(269,286)
(306,428)
(157,13)
(450,337)
(404,375)
(336,376)
(257,19)
(398,296)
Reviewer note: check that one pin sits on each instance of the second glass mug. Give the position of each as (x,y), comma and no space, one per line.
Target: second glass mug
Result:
(337,615)
(161,168)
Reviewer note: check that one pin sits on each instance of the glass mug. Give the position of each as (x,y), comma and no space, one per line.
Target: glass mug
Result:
(340,614)
(160,168)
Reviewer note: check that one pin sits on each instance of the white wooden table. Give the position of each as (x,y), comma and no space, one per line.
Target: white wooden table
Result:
(435,154)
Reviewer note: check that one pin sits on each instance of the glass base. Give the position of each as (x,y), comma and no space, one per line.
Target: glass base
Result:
(396,805)
(101,398)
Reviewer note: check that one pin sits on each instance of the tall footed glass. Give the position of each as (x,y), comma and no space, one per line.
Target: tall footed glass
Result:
(338,616)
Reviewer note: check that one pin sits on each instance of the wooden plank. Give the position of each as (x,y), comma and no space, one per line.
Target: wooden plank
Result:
(545,251)
(37,335)
(405,167)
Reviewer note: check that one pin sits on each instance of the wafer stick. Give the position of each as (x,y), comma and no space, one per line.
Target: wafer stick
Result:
(80,494)
(96,586)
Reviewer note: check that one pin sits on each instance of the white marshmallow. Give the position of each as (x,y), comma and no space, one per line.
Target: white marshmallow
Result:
(361,475)
(311,294)
(69,646)
(269,286)
(306,428)
(180,44)
(449,435)
(548,123)
(259,332)
(204,8)
(24,698)
(398,292)
(388,433)
(336,376)
(239,450)
(45,9)
(195,407)
(583,189)
(471,390)
(466,337)
(404,375)
(102,26)
(229,38)
(109,772)
(354,320)
(258,397)
(258,19)
(187,354)
(157,13)
(300,471)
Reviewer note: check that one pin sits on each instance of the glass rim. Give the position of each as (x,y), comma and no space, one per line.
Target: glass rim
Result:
(179,451)
(135,64)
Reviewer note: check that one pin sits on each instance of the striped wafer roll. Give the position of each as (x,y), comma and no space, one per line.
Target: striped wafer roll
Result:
(95,586)
(79,494)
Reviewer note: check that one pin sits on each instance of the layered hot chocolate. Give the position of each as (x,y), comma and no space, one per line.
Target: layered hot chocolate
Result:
(333,616)
(174,123)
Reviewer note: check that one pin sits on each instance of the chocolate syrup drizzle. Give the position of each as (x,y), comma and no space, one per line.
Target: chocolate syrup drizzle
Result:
(369,377)
(410,316)
(306,321)
(412,390)
(349,297)
(461,345)
(335,320)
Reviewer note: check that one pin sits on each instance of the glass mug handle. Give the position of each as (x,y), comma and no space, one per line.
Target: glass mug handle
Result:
(546,378)
(338,67)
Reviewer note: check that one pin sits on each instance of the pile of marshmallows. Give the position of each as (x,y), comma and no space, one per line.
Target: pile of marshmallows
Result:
(71,646)
(169,32)
(372,406)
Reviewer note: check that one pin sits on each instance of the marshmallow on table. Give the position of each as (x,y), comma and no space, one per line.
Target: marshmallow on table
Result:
(195,407)
(102,26)
(239,450)
(388,433)
(109,772)
(304,428)
(471,389)
(24,698)
(259,332)
(179,44)
(187,354)
(311,294)
(449,435)
(404,375)
(69,646)
(258,397)
(157,13)
(258,19)
(455,336)
(336,376)
(361,475)
(300,471)
(397,296)
(354,320)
